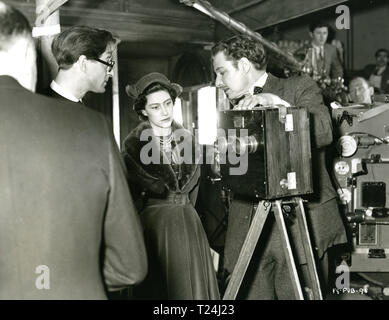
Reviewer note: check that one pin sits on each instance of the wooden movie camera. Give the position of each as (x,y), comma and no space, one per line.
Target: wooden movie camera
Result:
(275,163)
(273,148)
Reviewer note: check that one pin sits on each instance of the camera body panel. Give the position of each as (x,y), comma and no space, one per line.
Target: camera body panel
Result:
(276,144)
(363,179)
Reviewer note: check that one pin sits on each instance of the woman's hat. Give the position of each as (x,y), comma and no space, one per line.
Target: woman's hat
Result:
(135,90)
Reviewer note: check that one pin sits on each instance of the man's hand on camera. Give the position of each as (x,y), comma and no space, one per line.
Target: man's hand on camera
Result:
(262,99)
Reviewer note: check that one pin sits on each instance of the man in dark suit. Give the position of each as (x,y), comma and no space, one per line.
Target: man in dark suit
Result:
(321,56)
(85,61)
(240,67)
(68,226)
(326,55)
(378,74)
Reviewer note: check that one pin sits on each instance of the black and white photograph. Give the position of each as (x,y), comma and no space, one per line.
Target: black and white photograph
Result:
(184,157)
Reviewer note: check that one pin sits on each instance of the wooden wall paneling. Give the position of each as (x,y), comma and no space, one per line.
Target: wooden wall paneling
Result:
(191,69)
(365,36)
(298,29)
(269,13)
(370,25)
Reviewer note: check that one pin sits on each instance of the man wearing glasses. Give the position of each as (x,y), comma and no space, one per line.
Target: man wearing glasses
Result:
(84,58)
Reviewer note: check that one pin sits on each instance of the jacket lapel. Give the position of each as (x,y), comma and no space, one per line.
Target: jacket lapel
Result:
(273,85)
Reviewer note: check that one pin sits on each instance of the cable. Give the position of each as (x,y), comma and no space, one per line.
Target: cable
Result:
(368,134)
(373,281)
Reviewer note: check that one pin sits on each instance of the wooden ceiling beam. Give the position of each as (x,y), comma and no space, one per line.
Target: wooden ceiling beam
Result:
(137,25)
(270,12)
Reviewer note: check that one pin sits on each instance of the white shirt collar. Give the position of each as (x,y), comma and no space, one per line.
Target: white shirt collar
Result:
(319,49)
(260,82)
(317,46)
(63,92)
(381,69)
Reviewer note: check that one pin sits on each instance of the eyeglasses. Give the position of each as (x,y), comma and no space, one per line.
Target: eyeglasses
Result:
(109,63)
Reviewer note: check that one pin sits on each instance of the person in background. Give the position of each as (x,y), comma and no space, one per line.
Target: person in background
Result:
(85,60)
(69,228)
(378,74)
(361,91)
(180,262)
(327,56)
(321,57)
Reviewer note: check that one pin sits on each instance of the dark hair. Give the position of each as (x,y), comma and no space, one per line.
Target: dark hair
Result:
(242,47)
(381,50)
(13,24)
(70,44)
(318,24)
(140,102)
(360,78)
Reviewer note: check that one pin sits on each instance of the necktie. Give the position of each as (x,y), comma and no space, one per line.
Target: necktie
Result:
(258,90)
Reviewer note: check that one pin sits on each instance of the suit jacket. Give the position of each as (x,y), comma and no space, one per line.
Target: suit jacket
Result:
(369,70)
(51,93)
(65,202)
(302,91)
(326,226)
(331,64)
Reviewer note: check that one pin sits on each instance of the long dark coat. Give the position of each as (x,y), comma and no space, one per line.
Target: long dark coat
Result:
(179,254)
(64,202)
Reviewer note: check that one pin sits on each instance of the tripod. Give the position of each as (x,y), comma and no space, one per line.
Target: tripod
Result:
(251,240)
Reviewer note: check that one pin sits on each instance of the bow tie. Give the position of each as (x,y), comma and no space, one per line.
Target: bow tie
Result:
(258,90)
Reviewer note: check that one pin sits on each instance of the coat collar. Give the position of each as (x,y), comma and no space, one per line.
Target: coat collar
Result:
(272,85)
(158,173)
(9,82)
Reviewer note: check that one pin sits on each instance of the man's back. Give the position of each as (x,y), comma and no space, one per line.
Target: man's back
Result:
(63,195)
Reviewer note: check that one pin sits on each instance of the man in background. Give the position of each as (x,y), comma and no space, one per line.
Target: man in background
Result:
(322,57)
(378,74)
(69,229)
(361,91)
(326,54)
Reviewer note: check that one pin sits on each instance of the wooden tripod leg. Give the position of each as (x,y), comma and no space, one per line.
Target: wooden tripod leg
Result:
(247,250)
(288,251)
(302,221)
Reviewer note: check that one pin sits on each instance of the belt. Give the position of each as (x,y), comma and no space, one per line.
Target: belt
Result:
(172,198)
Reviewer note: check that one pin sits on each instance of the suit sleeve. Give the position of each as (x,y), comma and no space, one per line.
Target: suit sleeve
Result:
(308,95)
(125,260)
(336,65)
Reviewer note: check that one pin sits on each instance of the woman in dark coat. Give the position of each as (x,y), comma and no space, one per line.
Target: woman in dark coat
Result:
(162,160)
